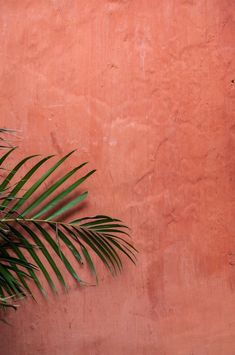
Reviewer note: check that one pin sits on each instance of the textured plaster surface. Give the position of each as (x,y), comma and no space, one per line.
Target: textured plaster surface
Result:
(145,90)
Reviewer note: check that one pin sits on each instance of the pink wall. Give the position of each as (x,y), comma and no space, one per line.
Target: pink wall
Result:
(144,89)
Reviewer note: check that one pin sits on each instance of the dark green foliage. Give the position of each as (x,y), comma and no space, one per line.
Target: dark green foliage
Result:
(32,229)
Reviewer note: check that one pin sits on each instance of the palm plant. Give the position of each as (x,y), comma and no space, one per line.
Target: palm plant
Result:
(32,230)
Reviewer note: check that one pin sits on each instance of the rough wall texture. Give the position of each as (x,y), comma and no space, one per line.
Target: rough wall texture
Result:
(145,89)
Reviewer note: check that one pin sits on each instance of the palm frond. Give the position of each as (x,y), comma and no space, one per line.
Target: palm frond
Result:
(32,229)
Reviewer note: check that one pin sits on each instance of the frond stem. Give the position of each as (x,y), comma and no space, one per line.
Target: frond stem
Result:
(34,220)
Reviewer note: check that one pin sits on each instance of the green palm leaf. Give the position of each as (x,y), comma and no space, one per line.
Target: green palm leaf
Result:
(30,232)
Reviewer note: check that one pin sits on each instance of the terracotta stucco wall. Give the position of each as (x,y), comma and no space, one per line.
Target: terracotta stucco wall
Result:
(145,90)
